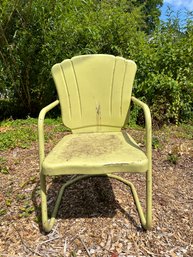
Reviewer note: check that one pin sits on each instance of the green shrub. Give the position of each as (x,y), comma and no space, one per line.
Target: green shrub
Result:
(164,77)
(34,35)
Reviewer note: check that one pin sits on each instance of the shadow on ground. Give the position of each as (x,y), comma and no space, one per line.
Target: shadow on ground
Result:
(88,198)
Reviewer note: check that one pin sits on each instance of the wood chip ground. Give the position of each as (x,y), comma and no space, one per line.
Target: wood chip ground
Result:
(97,217)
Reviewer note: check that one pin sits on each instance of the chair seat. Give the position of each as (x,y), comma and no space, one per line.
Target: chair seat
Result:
(95,153)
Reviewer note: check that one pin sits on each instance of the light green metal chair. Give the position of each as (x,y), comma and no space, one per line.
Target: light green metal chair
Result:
(94,95)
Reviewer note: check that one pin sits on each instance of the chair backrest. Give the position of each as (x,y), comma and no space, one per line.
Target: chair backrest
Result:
(94,91)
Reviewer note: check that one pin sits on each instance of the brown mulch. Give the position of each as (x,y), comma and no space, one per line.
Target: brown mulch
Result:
(97,216)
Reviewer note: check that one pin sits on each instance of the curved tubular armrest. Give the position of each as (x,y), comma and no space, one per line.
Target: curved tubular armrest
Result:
(148,125)
(41,128)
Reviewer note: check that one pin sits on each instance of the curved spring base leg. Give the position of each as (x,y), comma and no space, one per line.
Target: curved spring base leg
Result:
(146,221)
(48,224)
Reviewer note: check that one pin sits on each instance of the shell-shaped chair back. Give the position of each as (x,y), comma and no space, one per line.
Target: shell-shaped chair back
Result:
(94,91)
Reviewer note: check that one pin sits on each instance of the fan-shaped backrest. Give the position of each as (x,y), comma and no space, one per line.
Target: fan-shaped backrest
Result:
(94,91)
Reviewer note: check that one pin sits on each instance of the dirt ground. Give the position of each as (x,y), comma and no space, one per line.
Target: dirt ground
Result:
(97,216)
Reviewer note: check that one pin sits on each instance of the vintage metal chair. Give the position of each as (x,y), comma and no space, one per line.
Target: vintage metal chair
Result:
(94,95)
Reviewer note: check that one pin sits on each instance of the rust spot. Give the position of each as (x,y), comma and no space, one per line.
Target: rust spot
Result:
(98,109)
(98,117)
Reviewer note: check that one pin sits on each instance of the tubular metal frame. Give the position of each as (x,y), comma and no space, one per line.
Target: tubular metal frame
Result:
(146,219)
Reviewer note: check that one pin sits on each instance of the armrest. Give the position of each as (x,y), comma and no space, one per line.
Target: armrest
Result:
(41,128)
(148,125)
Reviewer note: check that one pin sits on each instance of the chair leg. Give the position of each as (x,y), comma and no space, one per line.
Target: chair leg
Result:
(44,210)
(148,200)
(49,223)
(146,220)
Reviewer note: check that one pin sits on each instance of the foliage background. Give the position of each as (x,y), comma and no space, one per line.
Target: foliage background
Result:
(34,35)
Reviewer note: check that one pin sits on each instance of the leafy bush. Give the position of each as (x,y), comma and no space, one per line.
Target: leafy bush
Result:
(34,35)
(164,77)
(33,38)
